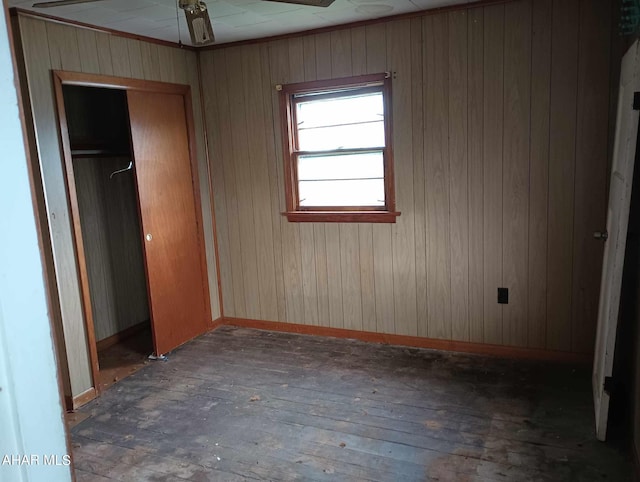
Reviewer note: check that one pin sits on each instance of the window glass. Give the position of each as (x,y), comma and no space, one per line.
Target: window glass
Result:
(345,166)
(341,180)
(340,123)
(360,192)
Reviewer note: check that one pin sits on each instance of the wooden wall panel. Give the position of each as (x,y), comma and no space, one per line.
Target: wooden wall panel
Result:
(88,48)
(436,163)
(334,276)
(358,51)
(591,179)
(135,59)
(150,61)
(493,97)
(127,257)
(93,217)
(288,252)
(383,276)
(367,276)
(231,188)
(206,195)
(105,61)
(119,56)
(459,175)
(350,272)
(515,179)
(419,204)
(539,171)
(238,68)
(310,60)
(233,300)
(485,105)
(273,74)
(213,69)
(113,246)
(167,69)
(256,122)
(403,236)
(63,47)
(38,68)
(322,275)
(309,276)
(475,160)
(340,53)
(181,65)
(46,46)
(562,162)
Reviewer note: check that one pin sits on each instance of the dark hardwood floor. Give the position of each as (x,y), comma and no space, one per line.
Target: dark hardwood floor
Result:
(124,358)
(239,404)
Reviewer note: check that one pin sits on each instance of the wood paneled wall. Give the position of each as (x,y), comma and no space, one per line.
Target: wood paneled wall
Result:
(501,122)
(113,246)
(47,46)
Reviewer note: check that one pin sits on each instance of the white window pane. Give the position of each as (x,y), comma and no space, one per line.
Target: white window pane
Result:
(368,192)
(342,137)
(341,110)
(348,166)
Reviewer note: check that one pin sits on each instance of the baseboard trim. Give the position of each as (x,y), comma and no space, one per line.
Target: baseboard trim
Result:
(121,335)
(414,341)
(216,323)
(79,400)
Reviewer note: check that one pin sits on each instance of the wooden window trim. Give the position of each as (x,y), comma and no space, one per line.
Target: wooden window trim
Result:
(336,214)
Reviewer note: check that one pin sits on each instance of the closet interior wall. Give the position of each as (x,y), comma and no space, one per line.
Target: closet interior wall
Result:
(113,254)
(100,145)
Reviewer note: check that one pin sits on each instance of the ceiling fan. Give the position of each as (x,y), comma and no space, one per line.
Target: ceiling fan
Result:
(196,14)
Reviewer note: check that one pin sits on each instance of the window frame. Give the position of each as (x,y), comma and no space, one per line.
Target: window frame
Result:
(296,213)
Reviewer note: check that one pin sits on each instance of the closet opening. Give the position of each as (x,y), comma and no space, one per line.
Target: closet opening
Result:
(129,150)
(106,194)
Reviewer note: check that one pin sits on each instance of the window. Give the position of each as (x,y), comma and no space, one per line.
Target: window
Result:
(337,150)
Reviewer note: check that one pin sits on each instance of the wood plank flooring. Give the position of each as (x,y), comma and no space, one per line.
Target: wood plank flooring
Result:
(240,404)
(124,358)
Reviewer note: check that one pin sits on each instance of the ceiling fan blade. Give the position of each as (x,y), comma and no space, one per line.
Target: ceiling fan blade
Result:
(310,3)
(199,23)
(60,3)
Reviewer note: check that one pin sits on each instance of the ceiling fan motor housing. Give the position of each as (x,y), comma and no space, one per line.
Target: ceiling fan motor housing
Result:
(192,5)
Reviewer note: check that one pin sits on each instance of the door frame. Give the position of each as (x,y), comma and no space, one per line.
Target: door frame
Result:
(61,78)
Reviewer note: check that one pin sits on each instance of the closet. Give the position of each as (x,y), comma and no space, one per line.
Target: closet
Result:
(98,128)
(132,184)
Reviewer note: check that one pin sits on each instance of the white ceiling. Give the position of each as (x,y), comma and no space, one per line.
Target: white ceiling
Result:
(232,20)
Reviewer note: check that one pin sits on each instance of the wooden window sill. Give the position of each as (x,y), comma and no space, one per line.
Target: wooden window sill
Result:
(341,216)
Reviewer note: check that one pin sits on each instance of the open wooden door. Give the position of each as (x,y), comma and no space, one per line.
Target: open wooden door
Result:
(170,217)
(615,236)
